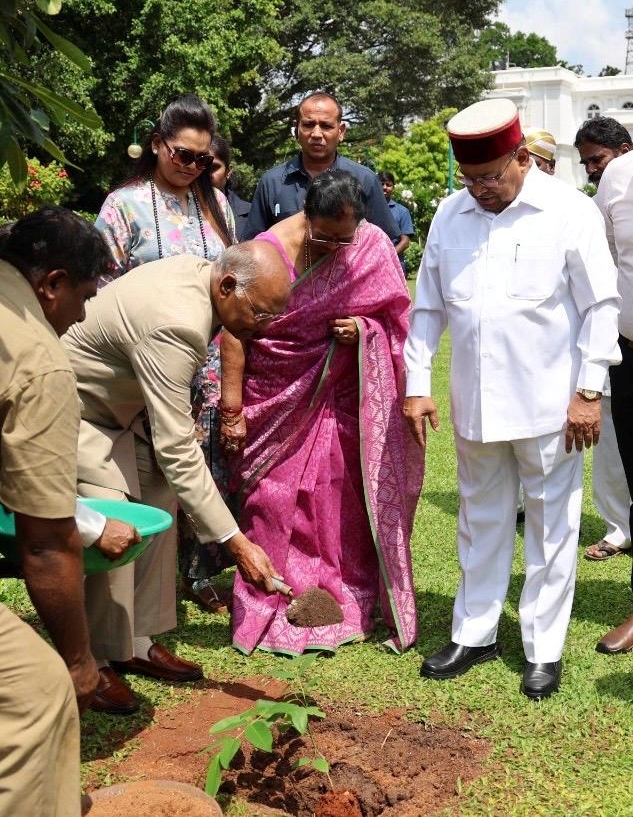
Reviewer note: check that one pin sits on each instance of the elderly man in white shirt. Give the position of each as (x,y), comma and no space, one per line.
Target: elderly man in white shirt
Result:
(615,200)
(518,267)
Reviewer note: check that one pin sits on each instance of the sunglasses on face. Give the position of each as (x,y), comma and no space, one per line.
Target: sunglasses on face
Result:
(183,157)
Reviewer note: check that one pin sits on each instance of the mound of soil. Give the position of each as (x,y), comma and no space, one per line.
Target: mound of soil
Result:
(380,765)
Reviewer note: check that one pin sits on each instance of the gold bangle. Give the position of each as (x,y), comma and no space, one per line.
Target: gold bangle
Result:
(231,420)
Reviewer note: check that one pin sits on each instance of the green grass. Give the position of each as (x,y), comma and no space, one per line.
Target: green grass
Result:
(568,755)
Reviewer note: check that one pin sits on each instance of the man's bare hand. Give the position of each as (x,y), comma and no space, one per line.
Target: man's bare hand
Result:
(583,423)
(416,410)
(116,538)
(252,562)
(85,678)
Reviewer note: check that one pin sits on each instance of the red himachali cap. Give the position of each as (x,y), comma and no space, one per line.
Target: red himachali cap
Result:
(485,131)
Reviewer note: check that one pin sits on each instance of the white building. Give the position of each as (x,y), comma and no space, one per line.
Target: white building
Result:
(559,101)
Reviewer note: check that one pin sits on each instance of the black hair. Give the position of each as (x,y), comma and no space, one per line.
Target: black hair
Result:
(221,148)
(320,95)
(386,176)
(187,111)
(331,192)
(55,238)
(605,131)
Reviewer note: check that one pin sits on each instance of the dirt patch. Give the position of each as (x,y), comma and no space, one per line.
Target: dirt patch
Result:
(380,765)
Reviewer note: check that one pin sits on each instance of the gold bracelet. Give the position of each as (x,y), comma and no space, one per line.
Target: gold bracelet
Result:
(231,420)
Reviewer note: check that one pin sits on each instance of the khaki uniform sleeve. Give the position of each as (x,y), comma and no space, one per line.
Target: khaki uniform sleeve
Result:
(38,447)
(165,363)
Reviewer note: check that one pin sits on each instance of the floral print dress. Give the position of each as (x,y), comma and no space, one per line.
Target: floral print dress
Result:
(127,223)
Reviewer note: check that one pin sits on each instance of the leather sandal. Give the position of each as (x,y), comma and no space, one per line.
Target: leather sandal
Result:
(602,550)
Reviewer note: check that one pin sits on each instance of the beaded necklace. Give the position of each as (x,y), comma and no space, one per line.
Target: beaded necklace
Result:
(198,213)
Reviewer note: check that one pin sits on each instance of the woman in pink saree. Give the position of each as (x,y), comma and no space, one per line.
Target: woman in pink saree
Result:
(330,475)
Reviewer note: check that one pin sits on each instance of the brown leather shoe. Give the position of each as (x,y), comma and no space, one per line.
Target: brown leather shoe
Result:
(162,664)
(618,640)
(112,695)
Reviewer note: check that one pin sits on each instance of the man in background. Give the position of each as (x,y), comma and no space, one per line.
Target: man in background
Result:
(401,216)
(542,148)
(615,200)
(599,140)
(281,192)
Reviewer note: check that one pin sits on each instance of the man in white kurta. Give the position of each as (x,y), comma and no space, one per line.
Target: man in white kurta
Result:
(518,267)
(615,200)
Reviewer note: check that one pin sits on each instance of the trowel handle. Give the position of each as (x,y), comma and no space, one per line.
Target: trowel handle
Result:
(280,587)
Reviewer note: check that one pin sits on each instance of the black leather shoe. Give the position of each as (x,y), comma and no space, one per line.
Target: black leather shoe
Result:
(455,659)
(540,680)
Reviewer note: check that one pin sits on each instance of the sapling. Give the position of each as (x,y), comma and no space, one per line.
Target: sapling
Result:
(255,724)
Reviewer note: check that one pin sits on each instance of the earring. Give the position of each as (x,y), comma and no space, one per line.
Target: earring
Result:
(155,152)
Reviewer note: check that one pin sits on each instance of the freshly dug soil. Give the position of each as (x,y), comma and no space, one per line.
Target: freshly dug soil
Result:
(314,608)
(380,765)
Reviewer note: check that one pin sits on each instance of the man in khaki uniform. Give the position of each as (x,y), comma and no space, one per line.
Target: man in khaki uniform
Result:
(49,265)
(134,357)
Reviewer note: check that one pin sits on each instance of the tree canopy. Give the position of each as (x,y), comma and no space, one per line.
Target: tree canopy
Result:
(388,61)
(28,106)
(501,48)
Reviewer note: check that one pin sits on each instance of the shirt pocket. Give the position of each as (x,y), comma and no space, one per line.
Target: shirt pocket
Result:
(457,274)
(534,273)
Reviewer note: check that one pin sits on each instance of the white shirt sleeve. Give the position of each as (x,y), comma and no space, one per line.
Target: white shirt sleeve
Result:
(90,524)
(428,320)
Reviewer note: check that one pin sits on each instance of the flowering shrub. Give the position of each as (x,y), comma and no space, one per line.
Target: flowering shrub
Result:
(46,184)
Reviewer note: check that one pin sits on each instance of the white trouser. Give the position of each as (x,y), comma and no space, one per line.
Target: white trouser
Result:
(610,491)
(489,475)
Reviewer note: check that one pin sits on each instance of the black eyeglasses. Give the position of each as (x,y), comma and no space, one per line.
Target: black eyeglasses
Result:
(183,157)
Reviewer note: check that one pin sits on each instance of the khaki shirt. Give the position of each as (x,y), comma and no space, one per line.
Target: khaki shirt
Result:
(135,355)
(39,410)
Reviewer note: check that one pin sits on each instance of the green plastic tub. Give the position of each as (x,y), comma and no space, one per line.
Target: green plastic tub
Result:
(147,520)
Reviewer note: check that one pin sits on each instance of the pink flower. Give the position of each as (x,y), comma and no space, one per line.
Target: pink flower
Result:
(62,174)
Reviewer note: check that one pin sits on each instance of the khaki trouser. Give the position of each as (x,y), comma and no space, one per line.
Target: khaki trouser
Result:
(138,599)
(39,727)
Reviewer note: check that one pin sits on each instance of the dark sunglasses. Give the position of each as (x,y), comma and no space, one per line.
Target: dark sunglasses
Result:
(183,157)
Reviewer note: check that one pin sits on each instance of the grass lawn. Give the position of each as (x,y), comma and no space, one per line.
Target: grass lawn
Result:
(568,755)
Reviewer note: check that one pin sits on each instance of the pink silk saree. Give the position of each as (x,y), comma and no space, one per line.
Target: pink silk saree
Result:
(330,476)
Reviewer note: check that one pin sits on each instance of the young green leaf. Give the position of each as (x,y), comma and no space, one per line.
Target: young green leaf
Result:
(228,752)
(303,761)
(260,736)
(299,718)
(214,776)
(229,723)
(321,765)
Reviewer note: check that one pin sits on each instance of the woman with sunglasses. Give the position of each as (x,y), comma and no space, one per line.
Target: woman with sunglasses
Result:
(328,476)
(169,207)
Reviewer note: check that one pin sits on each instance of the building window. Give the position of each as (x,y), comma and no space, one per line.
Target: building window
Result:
(593,111)
(627,105)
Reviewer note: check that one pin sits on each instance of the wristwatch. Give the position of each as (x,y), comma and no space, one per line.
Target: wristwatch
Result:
(589,394)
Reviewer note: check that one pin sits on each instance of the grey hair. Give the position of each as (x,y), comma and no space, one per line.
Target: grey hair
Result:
(240,260)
